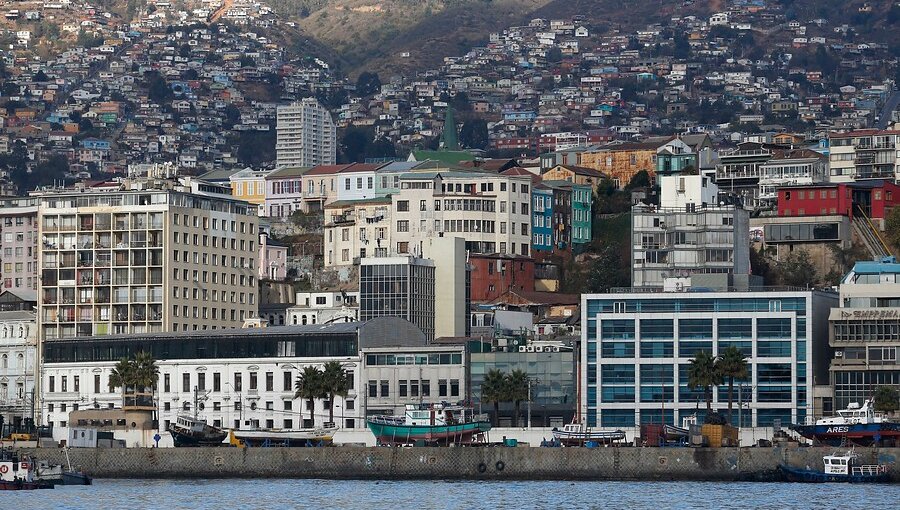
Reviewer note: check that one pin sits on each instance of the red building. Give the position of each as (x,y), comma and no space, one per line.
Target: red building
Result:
(493,275)
(874,198)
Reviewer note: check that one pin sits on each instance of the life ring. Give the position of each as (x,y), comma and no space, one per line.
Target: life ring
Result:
(481,467)
(499,465)
(4,469)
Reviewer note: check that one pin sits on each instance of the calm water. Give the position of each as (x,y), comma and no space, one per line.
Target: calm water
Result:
(366,495)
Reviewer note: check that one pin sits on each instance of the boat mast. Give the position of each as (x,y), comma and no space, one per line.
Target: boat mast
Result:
(196,398)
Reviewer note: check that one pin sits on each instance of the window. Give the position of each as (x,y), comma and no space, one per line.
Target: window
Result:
(253,382)
(270,381)
(185,382)
(403,205)
(385,389)
(454,387)
(402,226)
(423,205)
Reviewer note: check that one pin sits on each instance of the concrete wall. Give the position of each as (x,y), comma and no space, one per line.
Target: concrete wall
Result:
(454,463)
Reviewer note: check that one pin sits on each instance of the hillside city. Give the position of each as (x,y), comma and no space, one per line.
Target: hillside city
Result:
(557,225)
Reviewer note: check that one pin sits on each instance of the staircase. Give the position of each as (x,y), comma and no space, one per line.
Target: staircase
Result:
(869,235)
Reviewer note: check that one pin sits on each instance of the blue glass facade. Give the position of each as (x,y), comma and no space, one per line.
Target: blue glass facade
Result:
(637,350)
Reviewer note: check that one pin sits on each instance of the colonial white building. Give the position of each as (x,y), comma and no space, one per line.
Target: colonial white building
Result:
(324,308)
(18,346)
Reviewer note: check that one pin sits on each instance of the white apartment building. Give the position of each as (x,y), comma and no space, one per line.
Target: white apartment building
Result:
(356,229)
(324,308)
(306,135)
(790,168)
(868,154)
(490,211)
(145,258)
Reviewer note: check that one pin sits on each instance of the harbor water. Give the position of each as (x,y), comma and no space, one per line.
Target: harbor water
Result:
(464,495)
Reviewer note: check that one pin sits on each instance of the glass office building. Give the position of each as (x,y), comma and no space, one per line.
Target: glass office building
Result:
(638,347)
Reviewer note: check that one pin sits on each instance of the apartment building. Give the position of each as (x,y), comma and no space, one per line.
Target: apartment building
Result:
(19,242)
(355,229)
(145,257)
(637,349)
(790,168)
(867,154)
(306,135)
(561,215)
(740,169)
(490,211)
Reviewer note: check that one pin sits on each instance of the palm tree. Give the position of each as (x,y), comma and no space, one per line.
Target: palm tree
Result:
(309,387)
(493,389)
(702,373)
(334,384)
(516,391)
(732,364)
(121,376)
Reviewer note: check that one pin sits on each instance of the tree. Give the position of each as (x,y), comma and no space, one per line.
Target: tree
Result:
(309,387)
(892,229)
(121,376)
(474,134)
(760,266)
(145,371)
(640,180)
(516,390)
(368,84)
(732,364)
(354,144)
(157,89)
(845,259)
(492,390)
(335,383)
(887,399)
(702,373)
(40,76)
(554,55)
(797,270)
(608,269)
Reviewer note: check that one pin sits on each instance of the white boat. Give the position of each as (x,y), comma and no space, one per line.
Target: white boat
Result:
(302,437)
(839,468)
(578,434)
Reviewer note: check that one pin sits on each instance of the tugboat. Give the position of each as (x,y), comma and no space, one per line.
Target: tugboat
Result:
(861,426)
(432,424)
(17,473)
(577,434)
(193,431)
(838,468)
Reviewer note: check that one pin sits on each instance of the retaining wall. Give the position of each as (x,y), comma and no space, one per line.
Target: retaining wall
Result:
(454,463)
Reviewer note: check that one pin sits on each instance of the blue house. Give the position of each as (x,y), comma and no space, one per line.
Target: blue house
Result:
(95,144)
(541,218)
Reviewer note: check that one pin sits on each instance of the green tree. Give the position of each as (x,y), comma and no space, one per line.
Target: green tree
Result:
(474,134)
(892,229)
(515,389)
(608,269)
(493,390)
(887,399)
(146,372)
(732,365)
(354,144)
(335,383)
(702,373)
(554,55)
(121,376)
(640,180)
(368,84)
(797,270)
(309,387)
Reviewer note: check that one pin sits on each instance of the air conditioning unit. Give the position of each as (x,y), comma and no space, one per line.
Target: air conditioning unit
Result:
(539,349)
(555,348)
(522,348)
(529,349)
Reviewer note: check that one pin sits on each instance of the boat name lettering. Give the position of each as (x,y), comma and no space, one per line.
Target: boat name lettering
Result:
(834,430)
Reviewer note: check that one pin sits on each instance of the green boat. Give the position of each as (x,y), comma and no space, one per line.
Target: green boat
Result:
(431,424)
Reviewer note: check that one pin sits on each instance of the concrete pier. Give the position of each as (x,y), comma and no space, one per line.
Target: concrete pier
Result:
(495,463)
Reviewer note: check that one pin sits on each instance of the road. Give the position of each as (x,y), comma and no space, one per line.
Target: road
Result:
(887,112)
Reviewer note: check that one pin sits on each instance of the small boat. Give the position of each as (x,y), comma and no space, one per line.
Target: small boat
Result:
(322,436)
(17,473)
(432,424)
(191,431)
(577,434)
(861,426)
(838,468)
(56,475)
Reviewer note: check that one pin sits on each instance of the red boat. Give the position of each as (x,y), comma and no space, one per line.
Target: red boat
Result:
(17,473)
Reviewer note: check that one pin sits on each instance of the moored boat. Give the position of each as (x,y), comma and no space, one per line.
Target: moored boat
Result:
(191,431)
(432,424)
(577,434)
(17,473)
(838,468)
(322,436)
(857,425)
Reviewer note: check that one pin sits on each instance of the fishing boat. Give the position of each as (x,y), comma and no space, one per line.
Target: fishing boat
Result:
(838,468)
(433,424)
(193,431)
(577,434)
(321,436)
(56,475)
(17,473)
(857,425)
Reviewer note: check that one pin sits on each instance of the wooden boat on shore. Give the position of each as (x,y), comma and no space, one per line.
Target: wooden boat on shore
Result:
(838,468)
(577,434)
(431,424)
(321,436)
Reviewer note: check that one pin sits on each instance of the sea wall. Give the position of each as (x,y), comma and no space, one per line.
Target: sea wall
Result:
(617,463)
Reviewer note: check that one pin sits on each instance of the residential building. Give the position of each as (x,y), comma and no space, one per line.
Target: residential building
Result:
(872,199)
(250,186)
(397,376)
(357,182)
(542,234)
(18,355)
(306,135)
(867,154)
(169,257)
(324,308)
(690,233)
(575,174)
(790,168)
(740,169)
(621,161)
(495,274)
(284,191)
(637,348)
(569,224)
(864,332)
(19,242)
(355,229)
(247,376)
(272,258)
(675,156)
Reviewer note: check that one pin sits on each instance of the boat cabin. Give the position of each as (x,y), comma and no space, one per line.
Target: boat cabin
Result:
(853,414)
(847,465)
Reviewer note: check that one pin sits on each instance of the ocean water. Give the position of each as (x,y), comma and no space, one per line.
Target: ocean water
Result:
(403,495)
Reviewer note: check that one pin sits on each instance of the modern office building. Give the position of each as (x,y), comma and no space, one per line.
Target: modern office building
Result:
(305,135)
(689,233)
(637,348)
(865,332)
(19,242)
(245,377)
(143,257)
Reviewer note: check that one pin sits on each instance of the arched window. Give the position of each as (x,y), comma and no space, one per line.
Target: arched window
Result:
(4,361)
(20,360)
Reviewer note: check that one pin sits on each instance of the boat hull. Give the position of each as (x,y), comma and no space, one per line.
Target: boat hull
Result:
(182,439)
(792,474)
(287,438)
(74,478)
(441,434)
(23,486)
(861,434)
(567,438)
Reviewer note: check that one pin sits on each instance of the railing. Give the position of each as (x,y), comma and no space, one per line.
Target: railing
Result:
(869,469)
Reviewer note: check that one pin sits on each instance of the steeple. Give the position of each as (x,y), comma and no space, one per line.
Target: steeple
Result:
(449,141)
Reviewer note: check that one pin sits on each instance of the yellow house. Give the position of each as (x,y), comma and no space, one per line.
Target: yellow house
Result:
(249,185)
(621,160)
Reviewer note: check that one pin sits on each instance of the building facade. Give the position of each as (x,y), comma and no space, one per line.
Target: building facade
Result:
(867,154)
(305,135)
(397,376)
(18,351)
(19,241)
(398,286)
(324,308)
(637,347)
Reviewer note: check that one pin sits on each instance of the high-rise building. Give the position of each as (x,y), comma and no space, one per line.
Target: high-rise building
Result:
(145,258)
(867,154)
(19,242)
(305,135)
